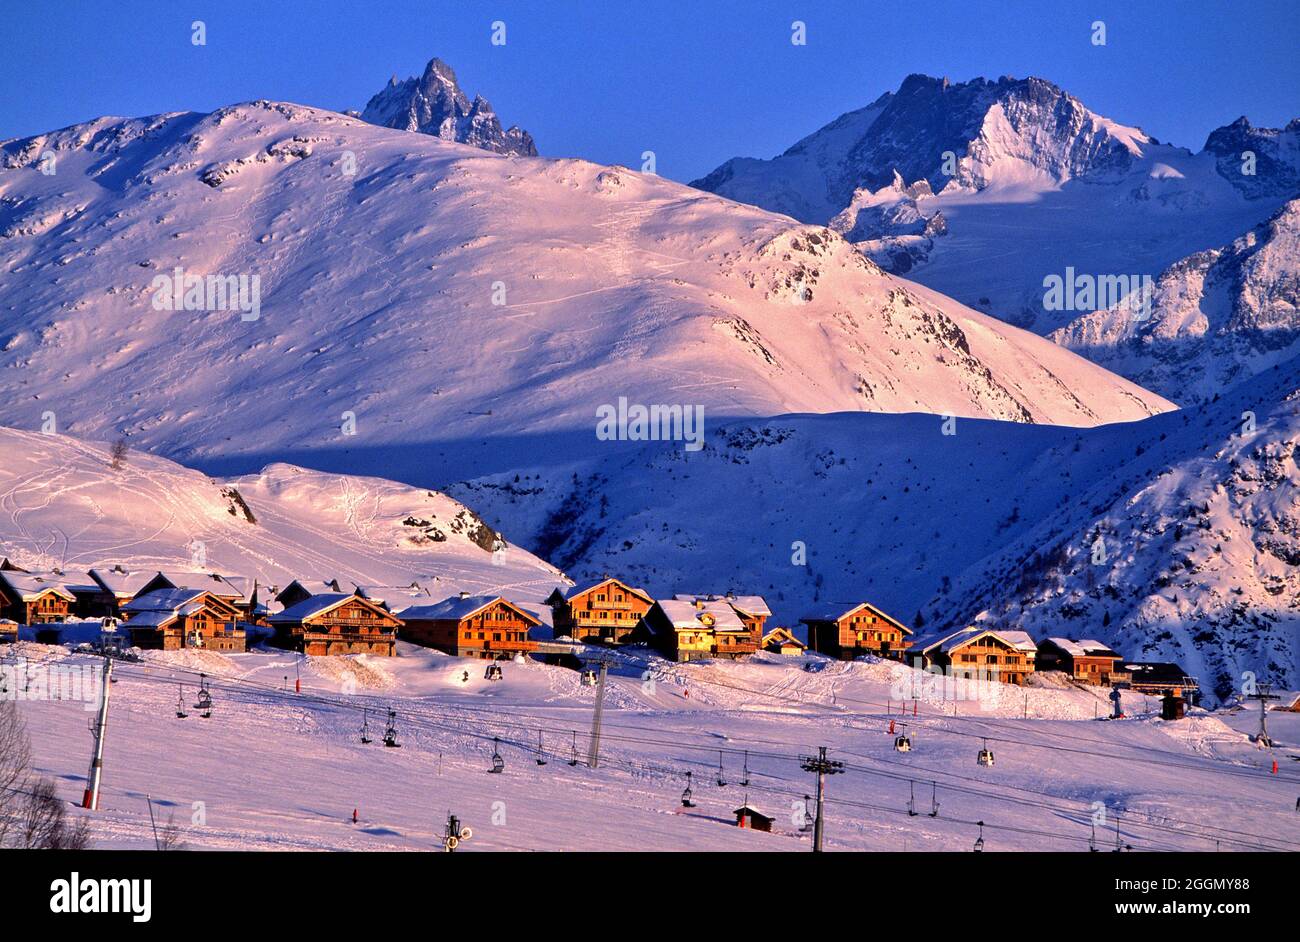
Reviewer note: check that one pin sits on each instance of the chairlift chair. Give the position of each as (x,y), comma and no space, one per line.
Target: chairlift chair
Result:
(498,763)
(979,841)
(911,799)
(588,677)
(686,793)
(574,760)
(493,672)
(986,755)
(180,703)
(901,742)
(934,800)
(365,728)
(390,731)
(807,816)
(722,781)
(204,701)
(541,753)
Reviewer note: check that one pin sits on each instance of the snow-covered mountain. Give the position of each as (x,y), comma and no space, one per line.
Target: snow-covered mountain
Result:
(64,506)
(1200,521)
(434,104)
(1218,317)
(982,189)
(411,290)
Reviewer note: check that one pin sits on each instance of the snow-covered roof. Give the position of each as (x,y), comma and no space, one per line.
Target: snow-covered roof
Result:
(456,608)
(1085,648)
(682,614)
(394,596)
(748,604)
(29,586)
(151,619)
(163,600)
(122,583)
(1019,640)
(845,609)
(210,581)
(572,591)
(316,605)
(782,635)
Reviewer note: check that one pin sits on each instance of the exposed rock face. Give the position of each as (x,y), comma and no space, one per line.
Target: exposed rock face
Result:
(1258,161)
(434,104)
(1218,317)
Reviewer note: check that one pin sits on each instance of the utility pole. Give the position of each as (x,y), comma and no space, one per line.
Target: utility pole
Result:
(91,799)
(823,767)
(1263,693)
(594,755)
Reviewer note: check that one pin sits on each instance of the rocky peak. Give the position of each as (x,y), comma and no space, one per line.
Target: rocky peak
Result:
(1276,164)
(434,104)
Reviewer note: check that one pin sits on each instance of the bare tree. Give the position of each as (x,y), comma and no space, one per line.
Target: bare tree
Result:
(31,813)
(117,453)
(45,822)
(169,835)
(15,754)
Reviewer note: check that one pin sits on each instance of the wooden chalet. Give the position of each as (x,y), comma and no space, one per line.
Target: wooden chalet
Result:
(747,817)
(853,630)
(1159,678)
(8,631)
(691,631)
(336,623)
(979,653)
(171,619)
(31,598)
(605,612)
(1086,661)
(482,626)
(782,641)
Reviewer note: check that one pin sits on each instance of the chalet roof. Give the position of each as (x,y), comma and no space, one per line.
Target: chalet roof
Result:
(316,605)
(29,586)
(394,596)
(685,615)
(844,610)
(1084,648)
(166,600)
(122,583)
(151,619)
(1158,672)
(1019,640)
(573,591)
(782,635)
(455,608)
(213,582)
(753,605)
(750,810)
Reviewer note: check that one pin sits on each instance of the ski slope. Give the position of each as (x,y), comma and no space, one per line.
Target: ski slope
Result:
(279,770)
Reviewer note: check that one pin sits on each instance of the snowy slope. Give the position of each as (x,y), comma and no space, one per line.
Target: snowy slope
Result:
(63,506)
(1033,182)
(378,290)
(889,509)
(1217,318)
(272,770)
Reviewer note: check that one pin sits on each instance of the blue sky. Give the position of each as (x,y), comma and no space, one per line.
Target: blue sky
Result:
(697,82)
